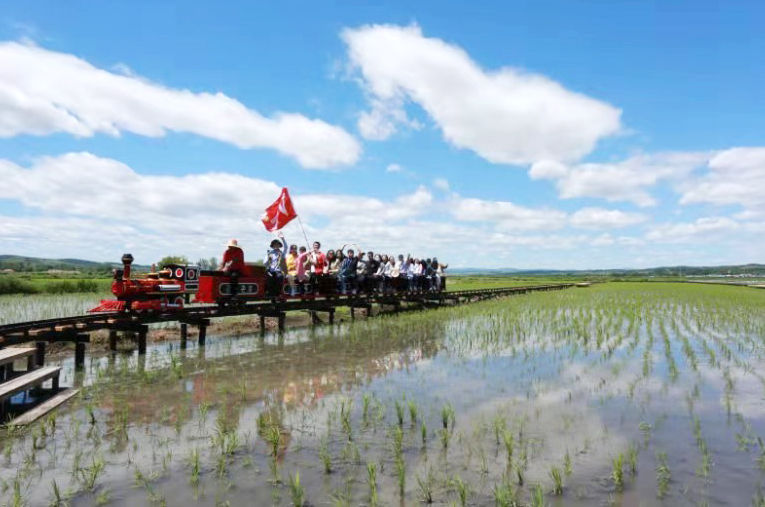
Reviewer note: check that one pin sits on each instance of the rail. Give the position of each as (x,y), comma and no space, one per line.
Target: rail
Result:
(76,329)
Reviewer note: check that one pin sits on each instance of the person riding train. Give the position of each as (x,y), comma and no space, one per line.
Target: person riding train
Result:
(275,266)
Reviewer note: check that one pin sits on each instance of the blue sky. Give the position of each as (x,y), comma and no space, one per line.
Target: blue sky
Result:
(524,134)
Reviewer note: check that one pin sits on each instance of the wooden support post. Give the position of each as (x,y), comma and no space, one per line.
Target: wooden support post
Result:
(79,355)
(353,313)
(313,316)
(40,353)
(113,340)
(142,340)
(202,334)
(184,335)
(262,323)
(282,318)
(331,315)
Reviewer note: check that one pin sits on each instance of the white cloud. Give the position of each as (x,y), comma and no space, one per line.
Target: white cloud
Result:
(735,176)
(506,116)
(600,218)
(393,168)
(706,228)
(81,196)
(627,180)
(507,216)
(44,92)
(441,184)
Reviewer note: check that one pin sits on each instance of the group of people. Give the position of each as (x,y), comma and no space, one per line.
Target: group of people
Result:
(354,271)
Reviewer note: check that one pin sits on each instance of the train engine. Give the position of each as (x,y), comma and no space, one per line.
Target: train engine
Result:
(162,291)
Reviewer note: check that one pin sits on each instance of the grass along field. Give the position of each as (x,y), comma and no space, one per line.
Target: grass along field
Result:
(615,394)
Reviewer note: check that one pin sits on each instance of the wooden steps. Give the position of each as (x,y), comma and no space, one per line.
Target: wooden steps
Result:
(29,380)
(12,354)
(43,408)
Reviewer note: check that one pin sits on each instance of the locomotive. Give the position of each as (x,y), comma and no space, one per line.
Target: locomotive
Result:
(170,288)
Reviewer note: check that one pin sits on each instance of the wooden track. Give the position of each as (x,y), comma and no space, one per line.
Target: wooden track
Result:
(76,329)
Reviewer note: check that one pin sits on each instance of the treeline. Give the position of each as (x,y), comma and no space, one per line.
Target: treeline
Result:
(21,264)
(17,285)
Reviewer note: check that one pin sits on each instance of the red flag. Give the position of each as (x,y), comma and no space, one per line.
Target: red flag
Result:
(279,213)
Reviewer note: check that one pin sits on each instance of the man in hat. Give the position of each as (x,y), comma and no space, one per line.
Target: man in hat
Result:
(274,263)
(233,258)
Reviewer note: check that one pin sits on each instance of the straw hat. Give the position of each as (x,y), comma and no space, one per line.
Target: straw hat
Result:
(233,242)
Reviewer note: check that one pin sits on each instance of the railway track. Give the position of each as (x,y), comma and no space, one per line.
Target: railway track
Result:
(77,328)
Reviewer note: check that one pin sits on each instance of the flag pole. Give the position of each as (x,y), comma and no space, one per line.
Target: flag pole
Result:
(308,245)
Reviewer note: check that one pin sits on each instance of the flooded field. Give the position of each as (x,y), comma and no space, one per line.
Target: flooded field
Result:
(26,307)
(617,394)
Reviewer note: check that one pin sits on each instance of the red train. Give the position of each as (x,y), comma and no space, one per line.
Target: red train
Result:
(172,286)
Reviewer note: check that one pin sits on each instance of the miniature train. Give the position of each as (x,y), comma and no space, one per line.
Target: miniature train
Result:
(168,289)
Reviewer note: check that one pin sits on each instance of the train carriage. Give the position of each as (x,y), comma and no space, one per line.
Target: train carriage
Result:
(168,289)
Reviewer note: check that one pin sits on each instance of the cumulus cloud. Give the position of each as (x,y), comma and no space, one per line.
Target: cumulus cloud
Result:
(735,176)
(441,184)
(393,168)
(507,215)
(44,92)
(628,180)
(600,218)
(506,116)
(705,227)
(189,213)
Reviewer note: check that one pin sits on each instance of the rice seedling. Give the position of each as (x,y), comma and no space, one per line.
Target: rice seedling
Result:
(663,474)
(567,468)
(89,475)
(372,481)
(499,425)
(509,441)
(461,488)
(538,496)
(413,412)
(557,479)
(326,458)
(400,413)
(401,475)
(504,494)
(365,399)
(296,490)
(195,466)
(617,471)
(632,458)
(447,416)
(423,433)
(426,485)
(445,436)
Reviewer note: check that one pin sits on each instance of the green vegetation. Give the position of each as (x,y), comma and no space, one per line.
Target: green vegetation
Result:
(34,284)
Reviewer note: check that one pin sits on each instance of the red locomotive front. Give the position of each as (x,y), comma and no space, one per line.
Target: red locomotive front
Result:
(161,292)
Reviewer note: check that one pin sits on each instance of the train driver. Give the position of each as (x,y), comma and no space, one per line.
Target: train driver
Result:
(233,258)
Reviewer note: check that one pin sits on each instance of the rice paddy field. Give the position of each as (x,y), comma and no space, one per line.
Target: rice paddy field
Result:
(616,394)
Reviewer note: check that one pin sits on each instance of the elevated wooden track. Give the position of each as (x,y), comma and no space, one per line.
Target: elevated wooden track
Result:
(78,329)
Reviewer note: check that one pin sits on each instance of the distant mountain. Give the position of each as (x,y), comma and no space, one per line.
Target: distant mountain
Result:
(736,270)
(34,264)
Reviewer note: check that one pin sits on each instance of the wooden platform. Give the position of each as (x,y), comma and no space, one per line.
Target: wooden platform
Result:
(29,380)
(43,408)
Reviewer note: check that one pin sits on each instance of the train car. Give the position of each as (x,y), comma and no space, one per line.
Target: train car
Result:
(227,289)
(168,289)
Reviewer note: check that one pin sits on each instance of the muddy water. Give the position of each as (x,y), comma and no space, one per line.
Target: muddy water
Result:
(505,396)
